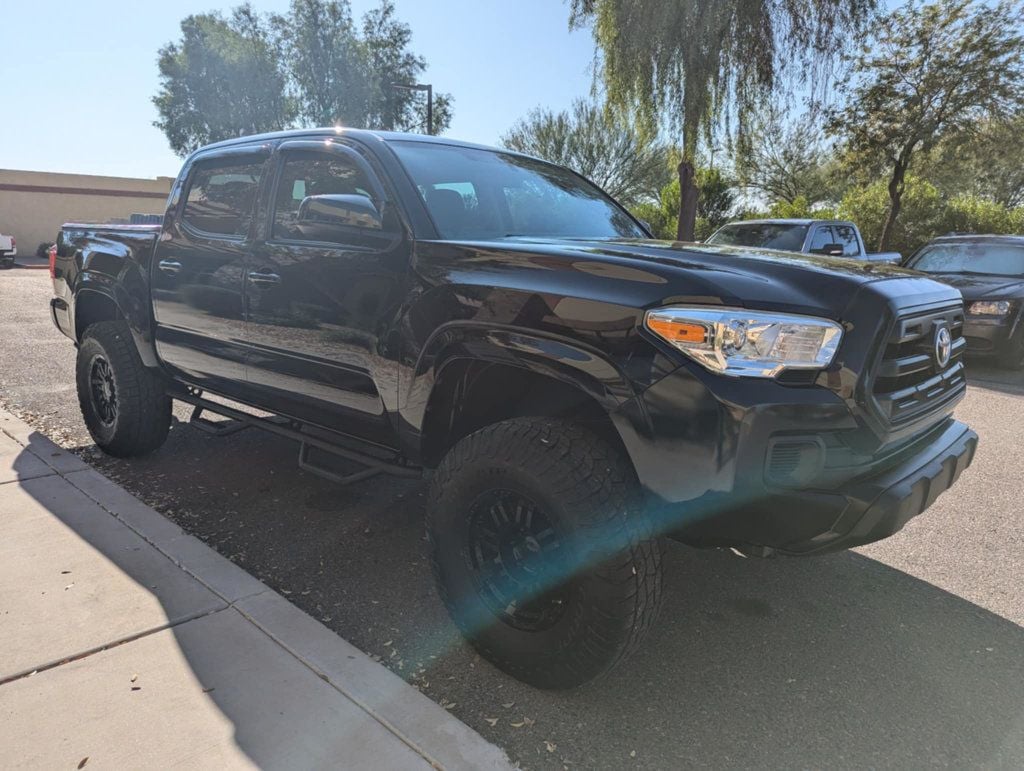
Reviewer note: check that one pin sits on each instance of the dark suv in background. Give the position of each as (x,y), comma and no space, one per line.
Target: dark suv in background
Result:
(989,272)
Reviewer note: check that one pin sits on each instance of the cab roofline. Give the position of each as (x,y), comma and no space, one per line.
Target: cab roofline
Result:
(365,135)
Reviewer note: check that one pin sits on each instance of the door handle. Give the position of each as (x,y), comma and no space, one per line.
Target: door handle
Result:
(263,278)
(170,267)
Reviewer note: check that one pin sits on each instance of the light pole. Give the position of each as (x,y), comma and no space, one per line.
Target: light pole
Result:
(429,88)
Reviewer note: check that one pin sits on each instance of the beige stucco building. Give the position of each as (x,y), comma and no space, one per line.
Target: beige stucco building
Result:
(34,204)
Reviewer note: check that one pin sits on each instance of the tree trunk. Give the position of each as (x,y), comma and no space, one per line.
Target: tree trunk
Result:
(688,192)
(896,185)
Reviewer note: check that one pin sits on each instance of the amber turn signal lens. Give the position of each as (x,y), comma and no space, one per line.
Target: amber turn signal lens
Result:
(677,332)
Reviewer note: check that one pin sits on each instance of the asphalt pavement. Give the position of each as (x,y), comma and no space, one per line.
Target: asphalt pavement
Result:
(906,653)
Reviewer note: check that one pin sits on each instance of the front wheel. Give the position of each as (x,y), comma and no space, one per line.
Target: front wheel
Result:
(541,550)
(125,404)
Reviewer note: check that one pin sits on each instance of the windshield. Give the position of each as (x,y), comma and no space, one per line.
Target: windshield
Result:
(981,258)
(482,195)
(766,235)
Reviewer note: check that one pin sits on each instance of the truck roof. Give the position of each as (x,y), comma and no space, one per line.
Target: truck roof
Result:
(364,134)
(789,221)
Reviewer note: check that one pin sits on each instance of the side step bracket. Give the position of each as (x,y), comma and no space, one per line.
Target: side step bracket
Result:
(215,428)
(239,420)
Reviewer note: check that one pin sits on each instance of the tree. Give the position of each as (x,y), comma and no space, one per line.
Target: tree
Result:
(690,64)
(923,212)
(222,79)
(610,152)
(389,61)
(715,204)
(326,62)
(310,67)
(785,159)
(931,71)
(987,162)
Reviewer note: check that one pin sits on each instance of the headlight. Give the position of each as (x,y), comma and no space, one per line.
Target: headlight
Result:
(735,342)
(989,308)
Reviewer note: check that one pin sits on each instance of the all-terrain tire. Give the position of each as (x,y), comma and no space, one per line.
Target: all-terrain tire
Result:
(606,568)
(136,417)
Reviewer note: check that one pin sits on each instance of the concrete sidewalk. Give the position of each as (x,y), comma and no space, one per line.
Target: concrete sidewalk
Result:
(125,642)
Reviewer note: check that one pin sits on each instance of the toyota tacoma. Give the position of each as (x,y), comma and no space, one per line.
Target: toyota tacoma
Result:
(574,390)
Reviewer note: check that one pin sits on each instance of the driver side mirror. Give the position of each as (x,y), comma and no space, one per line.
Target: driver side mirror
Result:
(352,211)
(830,250)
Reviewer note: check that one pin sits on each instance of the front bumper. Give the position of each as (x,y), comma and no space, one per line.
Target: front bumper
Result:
(990,337)
(704,451)
(812,521)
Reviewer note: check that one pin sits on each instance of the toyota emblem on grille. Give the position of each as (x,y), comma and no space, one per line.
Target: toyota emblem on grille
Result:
(943,346)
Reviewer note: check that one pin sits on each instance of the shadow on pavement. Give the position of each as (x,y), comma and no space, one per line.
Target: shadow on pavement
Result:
(836,660)
(984,375)
(211,680)
(824,661)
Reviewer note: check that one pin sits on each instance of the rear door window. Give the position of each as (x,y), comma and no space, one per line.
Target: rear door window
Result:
(821,238)
(847,236)
(221,196)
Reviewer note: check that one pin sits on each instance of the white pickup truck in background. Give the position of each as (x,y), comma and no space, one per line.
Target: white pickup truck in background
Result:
(832,238)
(8,250)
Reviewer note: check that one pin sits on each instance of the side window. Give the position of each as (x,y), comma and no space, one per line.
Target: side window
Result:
(454,206)
(847,236)
(221,195)
(325,197)
(821,238)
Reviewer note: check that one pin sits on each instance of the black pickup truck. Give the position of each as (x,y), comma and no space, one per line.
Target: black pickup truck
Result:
(573,389)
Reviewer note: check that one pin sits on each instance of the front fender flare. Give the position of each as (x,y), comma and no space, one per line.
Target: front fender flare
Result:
(556,357)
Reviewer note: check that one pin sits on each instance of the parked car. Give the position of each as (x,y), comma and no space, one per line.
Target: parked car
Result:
(989,272)
(576,389)
(8,250)
(832,238)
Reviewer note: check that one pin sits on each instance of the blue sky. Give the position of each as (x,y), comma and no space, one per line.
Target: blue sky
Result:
(76,77)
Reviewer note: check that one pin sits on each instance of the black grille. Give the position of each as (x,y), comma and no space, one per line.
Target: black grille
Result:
(909,381)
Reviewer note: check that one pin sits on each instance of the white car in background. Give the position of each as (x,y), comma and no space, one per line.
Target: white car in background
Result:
(8,250)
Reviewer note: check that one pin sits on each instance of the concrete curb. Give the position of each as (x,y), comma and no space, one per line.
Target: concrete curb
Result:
(424,726)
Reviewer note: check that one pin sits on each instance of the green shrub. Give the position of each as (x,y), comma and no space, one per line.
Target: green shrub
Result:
(971,214)
(919,220)
(799,208)
(714,206)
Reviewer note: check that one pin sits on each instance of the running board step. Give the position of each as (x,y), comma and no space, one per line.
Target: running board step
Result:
(215,427)
(306,464)
(239,420)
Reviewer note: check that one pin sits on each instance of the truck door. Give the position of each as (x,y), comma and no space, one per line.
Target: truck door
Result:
(198,273)
(324,286)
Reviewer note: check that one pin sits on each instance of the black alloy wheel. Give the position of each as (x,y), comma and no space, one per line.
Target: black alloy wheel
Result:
(103,390)
(513,553)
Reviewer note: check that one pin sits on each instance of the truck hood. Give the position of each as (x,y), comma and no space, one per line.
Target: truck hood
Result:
(727,275)
(977,287)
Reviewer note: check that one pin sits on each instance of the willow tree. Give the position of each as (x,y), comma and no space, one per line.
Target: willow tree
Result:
(693,65)
(609,152)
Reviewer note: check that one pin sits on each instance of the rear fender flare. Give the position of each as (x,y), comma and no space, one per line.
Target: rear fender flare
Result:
(132,306)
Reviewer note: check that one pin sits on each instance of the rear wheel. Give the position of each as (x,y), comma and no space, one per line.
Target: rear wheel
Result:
(124,403)
(541,551)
